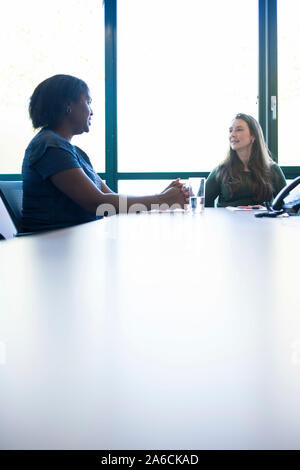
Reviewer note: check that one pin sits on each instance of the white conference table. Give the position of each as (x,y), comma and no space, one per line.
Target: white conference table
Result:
(152,331)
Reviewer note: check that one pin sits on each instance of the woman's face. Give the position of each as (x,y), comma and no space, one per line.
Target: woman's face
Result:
(80,114)
(239,135)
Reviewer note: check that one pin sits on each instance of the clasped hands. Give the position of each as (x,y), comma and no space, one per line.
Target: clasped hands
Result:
(179,191)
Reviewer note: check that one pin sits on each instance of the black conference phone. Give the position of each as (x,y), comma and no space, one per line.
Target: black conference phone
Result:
(284,202)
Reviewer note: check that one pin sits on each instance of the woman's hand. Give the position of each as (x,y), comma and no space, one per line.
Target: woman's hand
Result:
(172,184)
(175,195)
(177,184)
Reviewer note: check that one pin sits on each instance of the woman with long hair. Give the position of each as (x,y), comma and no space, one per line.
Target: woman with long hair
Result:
(60,185)
(248,175)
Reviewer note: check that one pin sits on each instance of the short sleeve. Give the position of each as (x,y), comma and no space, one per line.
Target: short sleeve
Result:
(54,161)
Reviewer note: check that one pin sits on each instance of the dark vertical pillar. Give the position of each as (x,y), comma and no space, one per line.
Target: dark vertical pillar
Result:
(268,76)
(111,141)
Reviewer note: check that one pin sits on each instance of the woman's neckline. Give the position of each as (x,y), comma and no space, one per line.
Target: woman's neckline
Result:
(57,135)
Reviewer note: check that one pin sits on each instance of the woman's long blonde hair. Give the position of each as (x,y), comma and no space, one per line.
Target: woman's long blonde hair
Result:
(260,162)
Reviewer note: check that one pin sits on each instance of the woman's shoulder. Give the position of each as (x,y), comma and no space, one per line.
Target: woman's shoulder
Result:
(46,138)
(215,170)
(275,168)
(277,175)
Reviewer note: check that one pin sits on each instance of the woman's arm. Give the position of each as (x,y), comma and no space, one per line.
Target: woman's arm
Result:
(174,183)
(212,189)
(279,180)
(78,187)
(105,189)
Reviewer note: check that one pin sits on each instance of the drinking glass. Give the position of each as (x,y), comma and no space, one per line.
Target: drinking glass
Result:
(197,194)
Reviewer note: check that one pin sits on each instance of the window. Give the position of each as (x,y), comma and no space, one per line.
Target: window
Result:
(43,40)
(143,187)
(288,81)
(184,70)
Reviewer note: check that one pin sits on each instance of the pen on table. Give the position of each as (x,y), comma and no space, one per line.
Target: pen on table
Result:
(249,207)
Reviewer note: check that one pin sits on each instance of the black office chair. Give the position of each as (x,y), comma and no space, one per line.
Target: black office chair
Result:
(11,201)
(7,226)
(12,195)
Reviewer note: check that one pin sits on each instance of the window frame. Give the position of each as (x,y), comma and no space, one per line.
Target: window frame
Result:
(267,87)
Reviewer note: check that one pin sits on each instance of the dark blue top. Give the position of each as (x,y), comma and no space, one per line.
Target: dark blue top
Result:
(44,205)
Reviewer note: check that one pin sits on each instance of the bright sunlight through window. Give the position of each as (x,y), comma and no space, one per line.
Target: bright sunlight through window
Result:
(39,40)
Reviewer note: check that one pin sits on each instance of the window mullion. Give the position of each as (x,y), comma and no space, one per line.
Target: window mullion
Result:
(268,81)
(111,142)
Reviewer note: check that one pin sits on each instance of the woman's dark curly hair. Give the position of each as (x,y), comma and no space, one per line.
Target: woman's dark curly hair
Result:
(50,99)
